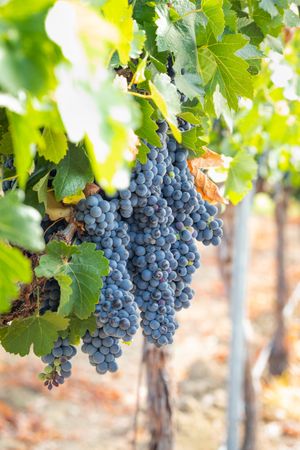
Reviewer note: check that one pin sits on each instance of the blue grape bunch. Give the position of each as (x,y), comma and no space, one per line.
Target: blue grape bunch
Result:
(103,350)
(116,310)
(51,296)
(148,232)
(181,195)
(152,263)
(209,228)
(59,366)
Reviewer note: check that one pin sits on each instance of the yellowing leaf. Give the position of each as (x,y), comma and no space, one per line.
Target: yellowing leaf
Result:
(14,269)
(57,210)
(139,74)
(165,96)
(207,160)
(119,13)
(207,188)
(73,199)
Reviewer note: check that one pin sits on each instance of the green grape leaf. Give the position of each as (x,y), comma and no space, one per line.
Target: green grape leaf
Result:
(227,69)
(190,117)
(253,56)
(15,268)
(269,7)
(19,223)
(291,19)
(24,136)
(79,271)
(250,52)
(148,128)
(137,44)
(142,153)
(176,33)
(214,12)
(41,187)
(221,108)
(242,171)
(78,328)
(73,173)
(192,141)
(65,283)
(39,332)
(253,32)
(28,59)
(264,21)
(208,64)
(55,145)
(230,16)
(165,96)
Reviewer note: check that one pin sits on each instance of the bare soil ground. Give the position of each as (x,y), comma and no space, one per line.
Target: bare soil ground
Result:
(97,412)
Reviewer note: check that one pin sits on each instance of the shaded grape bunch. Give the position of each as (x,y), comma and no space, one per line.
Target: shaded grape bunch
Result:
(58,363)
(208,227)
(181,195)
(8,164)
(50,296)
(102,350)
(116,310)
(148,233)
(152,264)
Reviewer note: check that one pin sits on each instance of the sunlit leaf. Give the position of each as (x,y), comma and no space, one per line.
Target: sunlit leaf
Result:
(15,268)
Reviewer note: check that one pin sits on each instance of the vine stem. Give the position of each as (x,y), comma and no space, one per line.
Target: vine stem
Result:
(138,399)
(68,233)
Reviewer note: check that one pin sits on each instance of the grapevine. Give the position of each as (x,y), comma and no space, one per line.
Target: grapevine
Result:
(106,192)
(148,234)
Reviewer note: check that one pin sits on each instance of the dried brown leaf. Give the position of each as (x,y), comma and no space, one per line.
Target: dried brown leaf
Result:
(56,210)
(91,189)
(207,188)
(207,160)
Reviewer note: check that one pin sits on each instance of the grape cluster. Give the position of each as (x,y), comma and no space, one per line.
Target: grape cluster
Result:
(181,195)
(102,350)
(58,363)
(116,310)
(208,227)
(151,236)
(51,296)
(148,233)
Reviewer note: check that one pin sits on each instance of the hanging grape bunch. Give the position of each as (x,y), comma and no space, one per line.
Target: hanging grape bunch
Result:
(148,233)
